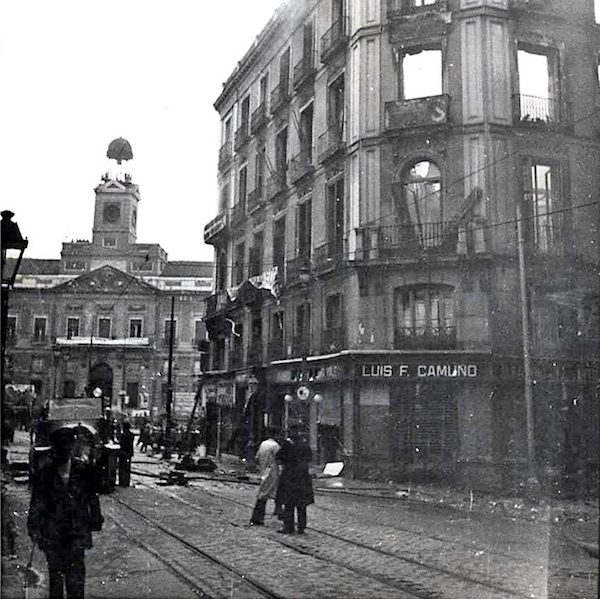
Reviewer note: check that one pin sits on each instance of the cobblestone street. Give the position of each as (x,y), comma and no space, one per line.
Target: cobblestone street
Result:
(361,541)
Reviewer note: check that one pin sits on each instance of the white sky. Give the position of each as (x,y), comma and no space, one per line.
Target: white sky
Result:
(75,75)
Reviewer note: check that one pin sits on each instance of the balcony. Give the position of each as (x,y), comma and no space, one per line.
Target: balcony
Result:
(334,40)
(276,184)
(256,200)
(330,256)
(330,143)
(402,8)
(304,72)
(241,137)
(333,339)
(39,339)
(301,166)
(258,119)
(280,97)
(225,155)
(166,341)
(301,345)
(215,226)
(443,337)
(216,303)
(390,241)
(420,112)
(536,111)
(238,213)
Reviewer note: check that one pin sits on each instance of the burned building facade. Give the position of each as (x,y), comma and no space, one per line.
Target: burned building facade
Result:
(406,248)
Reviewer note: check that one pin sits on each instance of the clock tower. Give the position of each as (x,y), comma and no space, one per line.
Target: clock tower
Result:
(117,197)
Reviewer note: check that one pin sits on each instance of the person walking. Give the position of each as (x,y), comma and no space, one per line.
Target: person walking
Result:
(295,483)
(269,476)
(144,438)
(125,455)
(64,510)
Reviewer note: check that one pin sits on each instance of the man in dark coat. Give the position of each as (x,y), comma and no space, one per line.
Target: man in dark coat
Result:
(295,489)
(125,455)
(64,510)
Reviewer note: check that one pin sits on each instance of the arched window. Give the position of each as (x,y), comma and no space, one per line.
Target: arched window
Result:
(421,202)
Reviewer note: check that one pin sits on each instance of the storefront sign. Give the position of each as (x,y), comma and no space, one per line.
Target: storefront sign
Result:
(417,370)
(221,393)
(184,402)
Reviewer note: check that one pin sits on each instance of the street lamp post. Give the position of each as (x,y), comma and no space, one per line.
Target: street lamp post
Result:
(169,404)
(13,246)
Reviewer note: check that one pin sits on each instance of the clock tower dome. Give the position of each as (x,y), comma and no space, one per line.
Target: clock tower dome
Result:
(117,198)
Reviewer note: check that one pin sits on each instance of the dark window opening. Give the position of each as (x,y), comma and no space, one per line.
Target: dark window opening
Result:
(135,327)
(104,326)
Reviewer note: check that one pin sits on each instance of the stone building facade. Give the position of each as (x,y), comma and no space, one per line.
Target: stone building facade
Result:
(406,248)
(99,317)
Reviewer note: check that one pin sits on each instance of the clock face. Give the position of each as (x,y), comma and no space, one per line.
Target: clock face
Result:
(112,213)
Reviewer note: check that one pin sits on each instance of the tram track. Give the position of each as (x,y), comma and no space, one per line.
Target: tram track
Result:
(445,576)
(214,586)
(364,517)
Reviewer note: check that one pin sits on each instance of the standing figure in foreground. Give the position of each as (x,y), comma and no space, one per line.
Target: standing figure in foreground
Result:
(295,482)
(63,512)
(125,455)
(269,475)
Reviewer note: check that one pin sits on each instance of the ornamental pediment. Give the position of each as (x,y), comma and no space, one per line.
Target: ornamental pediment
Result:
(106,280)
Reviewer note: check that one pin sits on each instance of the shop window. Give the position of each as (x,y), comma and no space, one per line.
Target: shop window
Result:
(72,327)
(539,95)
(424,317)
(420,206)
(135,327)
(104,326)
(39,328)
(421,74)
(304,229)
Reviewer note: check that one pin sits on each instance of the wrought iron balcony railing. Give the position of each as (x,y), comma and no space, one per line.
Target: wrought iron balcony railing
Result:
(295,267)
(280,97)
(538,110)
(256,200)
(301,165)
(258,119)
(241,137)
(330,142)
(304,71)
(425,337)
(334,40)
(216,303)
(276,184)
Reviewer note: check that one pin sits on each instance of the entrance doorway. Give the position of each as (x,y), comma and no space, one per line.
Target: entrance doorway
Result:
(101,375)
